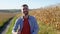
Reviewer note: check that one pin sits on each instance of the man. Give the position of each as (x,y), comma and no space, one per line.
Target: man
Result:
(27,23)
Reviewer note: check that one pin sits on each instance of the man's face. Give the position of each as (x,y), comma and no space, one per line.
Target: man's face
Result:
(25,10)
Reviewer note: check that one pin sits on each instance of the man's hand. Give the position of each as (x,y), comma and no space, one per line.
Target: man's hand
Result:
(19,32)
(14,32)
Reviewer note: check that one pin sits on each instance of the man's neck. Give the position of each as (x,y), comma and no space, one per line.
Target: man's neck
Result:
(26,16)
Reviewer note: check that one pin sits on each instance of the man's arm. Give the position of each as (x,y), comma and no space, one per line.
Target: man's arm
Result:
(14,31)
(36,28)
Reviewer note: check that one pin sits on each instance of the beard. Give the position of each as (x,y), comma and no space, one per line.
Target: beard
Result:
(25,13)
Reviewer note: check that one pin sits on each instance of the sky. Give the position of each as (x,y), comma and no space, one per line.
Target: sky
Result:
(16,4)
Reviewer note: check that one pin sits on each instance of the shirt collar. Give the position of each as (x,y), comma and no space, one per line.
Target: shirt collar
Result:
(23,17)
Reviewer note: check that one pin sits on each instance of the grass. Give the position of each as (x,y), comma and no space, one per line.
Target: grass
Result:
(11,26)
(2,22)
(5,17)
(45,29)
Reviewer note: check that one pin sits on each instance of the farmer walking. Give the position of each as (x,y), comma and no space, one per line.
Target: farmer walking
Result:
(28,24)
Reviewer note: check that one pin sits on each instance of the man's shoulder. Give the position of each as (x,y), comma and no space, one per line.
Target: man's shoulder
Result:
(32,16)
(19,18)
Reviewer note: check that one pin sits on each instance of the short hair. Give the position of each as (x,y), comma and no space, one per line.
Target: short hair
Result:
(25,5)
